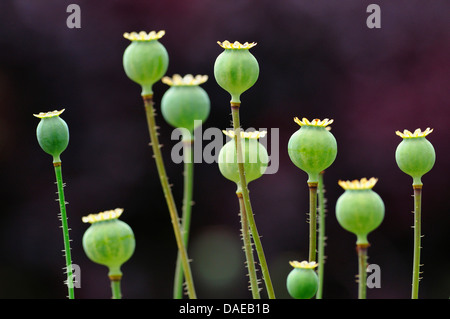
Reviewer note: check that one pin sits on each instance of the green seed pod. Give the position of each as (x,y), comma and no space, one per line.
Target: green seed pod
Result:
(108,241)
(255,157)
(415,155)
(52,134)
(302,282)
(185,104)
(145,60)
(312,148)
(359,209)
(236,69)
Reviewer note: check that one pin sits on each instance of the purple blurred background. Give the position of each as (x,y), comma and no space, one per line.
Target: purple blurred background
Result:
(317,60)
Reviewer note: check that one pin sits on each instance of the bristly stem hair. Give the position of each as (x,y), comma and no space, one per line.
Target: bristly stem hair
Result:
(246,198)
(65,228)
(188,188)
(150,113)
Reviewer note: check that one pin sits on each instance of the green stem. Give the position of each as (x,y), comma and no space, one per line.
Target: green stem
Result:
(247,204)
(321,252)
(186,214)
(115,287)
(248,248)
(65,228)
(362,269)
(312,220)
(417,238)
(150,112)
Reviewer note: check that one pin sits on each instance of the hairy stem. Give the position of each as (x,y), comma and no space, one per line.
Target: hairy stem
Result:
(246,199)
(321,250)
(150,112)
(115,288)
(248,248)
(417,239)
(186,213)
(312,220)
(362,269)
(65,228)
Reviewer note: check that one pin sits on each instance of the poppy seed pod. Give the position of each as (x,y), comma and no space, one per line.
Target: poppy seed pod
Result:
(108,241)
(255,157)
(312,148)
(359,209)
(52,134)
(145,60)
(302,282)
(185,104)
(236,69)
(415,155)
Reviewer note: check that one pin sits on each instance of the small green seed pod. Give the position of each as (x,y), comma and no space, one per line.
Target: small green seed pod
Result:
(302,282)
(185,104)
(312,148)
(109,241)
(52,134)
(236,69)
(359,209)
(255,157)
(145,60)
(415,155)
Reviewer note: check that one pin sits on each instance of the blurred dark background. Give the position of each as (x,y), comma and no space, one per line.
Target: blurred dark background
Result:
(317,60)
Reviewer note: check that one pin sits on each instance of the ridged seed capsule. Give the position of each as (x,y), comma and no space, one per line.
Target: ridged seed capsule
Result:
(52,134)
(109,241)
(185,104)
(312,148)
(236,69)
(255,157)
(145,60)
(415,155)
(359,209)
(302,282)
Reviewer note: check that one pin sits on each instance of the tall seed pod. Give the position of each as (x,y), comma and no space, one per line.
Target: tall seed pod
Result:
(185,106)
(145,62)
(236,70)
(415,156)
(110,242)
(52,134)
(360,210)
(312,148)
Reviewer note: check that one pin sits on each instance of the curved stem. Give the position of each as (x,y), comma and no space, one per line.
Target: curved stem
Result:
(312,220)
(321,252)
(115,288)
(65,228)
(246,199)
(150,112)
(248,248)
(417,239)
(362,269)
(186,214)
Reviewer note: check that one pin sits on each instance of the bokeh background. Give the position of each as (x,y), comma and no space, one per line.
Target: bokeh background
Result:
(317,59)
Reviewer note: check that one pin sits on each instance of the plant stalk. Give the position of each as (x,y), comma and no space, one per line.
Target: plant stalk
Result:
(186,213)
(321,250)
(65,228)
(417,239)
(246,199)
(362,269)
(248,248)
(312,220)
(115,287)
(150,112)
